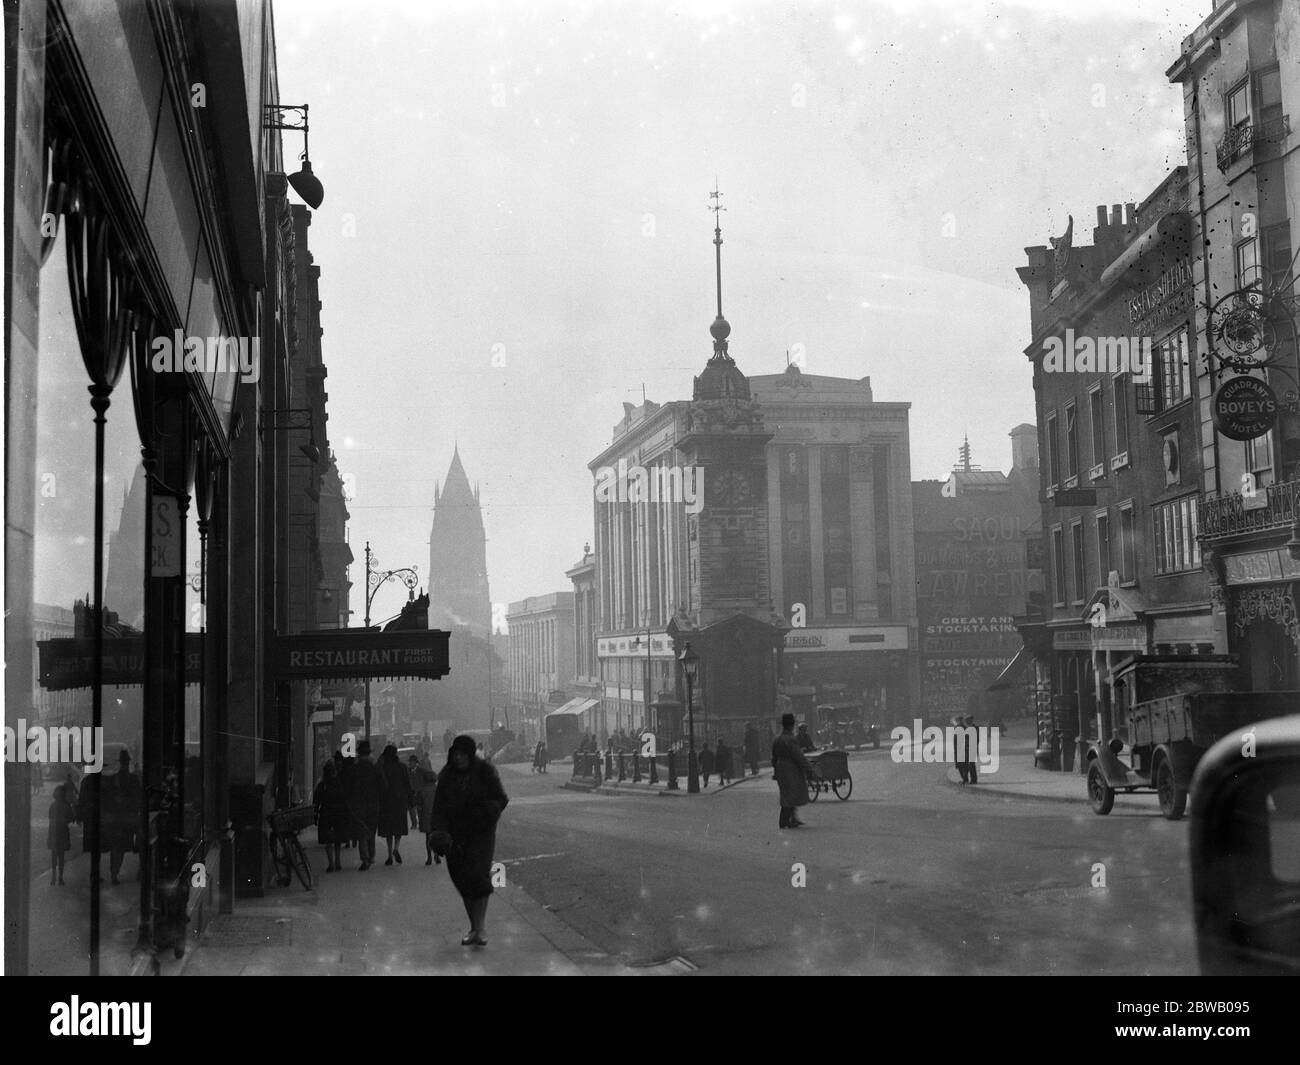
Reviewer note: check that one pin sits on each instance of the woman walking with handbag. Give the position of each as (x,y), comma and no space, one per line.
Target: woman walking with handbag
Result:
(467,804)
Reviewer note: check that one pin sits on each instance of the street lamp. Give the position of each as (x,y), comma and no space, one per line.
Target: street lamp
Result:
(304,182)
(376,579)
(690,667)
(645,710)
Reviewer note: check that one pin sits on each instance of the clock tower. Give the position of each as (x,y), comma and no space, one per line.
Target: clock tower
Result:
(729,621)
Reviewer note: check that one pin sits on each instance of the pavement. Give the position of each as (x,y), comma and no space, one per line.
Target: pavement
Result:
(1016,776)
(408,919)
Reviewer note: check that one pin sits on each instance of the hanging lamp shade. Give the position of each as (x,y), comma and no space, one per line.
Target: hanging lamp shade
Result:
(307,185)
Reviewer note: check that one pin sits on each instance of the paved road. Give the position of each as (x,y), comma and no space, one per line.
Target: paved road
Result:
(911,875)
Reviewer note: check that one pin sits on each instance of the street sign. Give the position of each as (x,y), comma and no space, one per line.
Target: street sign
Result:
(1075,497)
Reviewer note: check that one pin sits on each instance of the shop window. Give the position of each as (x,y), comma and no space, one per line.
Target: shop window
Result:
(1238,104)
(1173,369)
(1103,547)
(1053,451)
(1071,444)
(1176,546)
(1127,543)
(1078,562)
(1097,416)
(1120,390)
(1058,565)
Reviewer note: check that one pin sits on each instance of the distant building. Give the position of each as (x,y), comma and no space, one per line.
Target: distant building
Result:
(978,568)
(840,526)
(541,653)
(458,583)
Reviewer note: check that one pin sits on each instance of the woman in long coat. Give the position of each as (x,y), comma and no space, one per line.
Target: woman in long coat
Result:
(791,769)
(396,802)
(365,790)
(332,816)
(467,804)
(428,784)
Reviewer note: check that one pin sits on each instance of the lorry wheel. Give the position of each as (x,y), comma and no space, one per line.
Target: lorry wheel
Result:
(1100,794)
(1173,797)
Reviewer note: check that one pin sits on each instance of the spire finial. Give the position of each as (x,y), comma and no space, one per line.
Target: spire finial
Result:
(720,329)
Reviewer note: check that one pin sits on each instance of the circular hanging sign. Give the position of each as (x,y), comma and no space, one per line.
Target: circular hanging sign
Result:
(1244,408)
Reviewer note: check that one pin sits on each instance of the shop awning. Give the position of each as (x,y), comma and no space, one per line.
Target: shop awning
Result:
(1013,672)
(574,707)
(363,654)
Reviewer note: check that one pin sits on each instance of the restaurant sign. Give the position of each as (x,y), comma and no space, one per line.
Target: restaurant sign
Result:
(69,662)
(360,655)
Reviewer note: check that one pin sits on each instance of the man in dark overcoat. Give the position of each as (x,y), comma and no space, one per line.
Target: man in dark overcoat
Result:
(791,768)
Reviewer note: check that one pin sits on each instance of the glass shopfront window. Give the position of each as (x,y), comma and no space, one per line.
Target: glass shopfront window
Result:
(195,635)
(63,633)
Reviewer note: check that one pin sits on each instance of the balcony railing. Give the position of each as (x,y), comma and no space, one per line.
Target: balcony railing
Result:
(1253,135)
(1228,515)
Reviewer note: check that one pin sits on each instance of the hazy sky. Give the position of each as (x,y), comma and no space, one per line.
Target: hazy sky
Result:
(515,236)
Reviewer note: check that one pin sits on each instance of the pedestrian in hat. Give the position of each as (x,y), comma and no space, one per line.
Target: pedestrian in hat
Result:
(467,804)
(791,769)
(396,802)
(366,800)
(706,763)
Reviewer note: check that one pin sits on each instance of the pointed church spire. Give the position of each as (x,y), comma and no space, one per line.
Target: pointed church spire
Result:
(721,328)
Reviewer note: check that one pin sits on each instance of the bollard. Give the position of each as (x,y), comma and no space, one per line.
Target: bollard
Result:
(672,770)
(622,767)
(636,767)
(654,775)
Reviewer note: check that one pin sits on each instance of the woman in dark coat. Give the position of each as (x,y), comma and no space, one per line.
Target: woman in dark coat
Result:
(791,769)
(467,804)
(396,802)
(332,816)
(365,798)
(428,785)
(706,763)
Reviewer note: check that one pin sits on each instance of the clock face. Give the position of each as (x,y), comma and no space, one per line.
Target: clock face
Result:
(733,488)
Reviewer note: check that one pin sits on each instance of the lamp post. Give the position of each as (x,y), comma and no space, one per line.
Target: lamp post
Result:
(645,710)
(690,667)
(375,579)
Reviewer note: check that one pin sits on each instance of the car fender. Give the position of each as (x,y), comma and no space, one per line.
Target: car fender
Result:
(1117,774)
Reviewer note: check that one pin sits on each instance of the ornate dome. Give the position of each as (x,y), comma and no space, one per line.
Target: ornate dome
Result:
(722,379)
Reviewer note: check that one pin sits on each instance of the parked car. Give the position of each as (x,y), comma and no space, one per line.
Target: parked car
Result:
(1168,737)
(1245,852)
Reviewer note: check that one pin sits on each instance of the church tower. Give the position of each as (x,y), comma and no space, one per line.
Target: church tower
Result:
(458,585)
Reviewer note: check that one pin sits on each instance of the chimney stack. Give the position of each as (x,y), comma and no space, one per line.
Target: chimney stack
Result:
(1024,447)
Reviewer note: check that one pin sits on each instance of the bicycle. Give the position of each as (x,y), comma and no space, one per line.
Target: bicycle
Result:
(288,859)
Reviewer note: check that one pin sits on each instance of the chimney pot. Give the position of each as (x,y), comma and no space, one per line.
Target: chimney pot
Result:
(1116,215)
(1101,214)
(1130,214)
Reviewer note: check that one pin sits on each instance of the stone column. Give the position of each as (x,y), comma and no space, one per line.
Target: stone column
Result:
(862,532)
(816,535)
(776,531)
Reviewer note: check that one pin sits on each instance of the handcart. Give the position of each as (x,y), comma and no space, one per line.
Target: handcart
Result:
(832,774)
